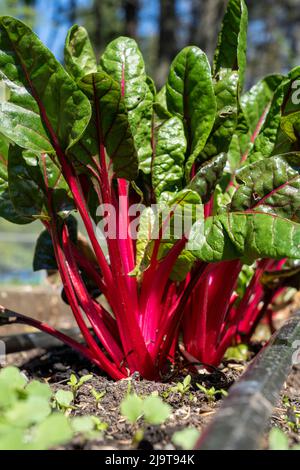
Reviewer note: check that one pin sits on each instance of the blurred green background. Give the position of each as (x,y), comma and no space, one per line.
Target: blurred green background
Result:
(162,27)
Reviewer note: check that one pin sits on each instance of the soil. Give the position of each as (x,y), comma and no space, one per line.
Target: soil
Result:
(193,409)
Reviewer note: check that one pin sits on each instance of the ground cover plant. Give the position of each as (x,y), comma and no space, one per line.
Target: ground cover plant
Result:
(32,417)
(213,173)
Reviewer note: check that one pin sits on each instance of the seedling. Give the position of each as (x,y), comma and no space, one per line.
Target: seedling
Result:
(75,384)
(186,439)
(63,400)
(211,393)
(90,427)
(237,353)
(179,190)
(33,418)
(279,441)
(98,395)
(182,387)
(150,410)
(27,421)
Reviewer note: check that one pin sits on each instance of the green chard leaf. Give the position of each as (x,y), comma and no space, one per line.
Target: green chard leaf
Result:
(271,185)
(123,61)
(80,59)
(265,141)
(257,101)
(232,42)
(24,127)
(252,112)
(185,207)
(288,138)
(190,95)
(39,85)
(208,176)
(228,72)
(109,127)
(28,188)
(161,97)
(240,142)
(279,133)
(225,87)
(247,236)
(169,147)
(7,209)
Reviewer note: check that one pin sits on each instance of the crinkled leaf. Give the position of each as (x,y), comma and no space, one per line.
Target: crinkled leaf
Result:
(151,85)
(176,214)
(190,95)
(109,127)
(232,41)
(225,87)
(24,127)
(271,139)
(247,236)
(123,61)
(288,135)
(208,176)
(222,199)
(80,59)
(257,101)
(27,186)
(38,83)
(7,209)
(252,111)
(168,155)
(271,185)
(240,142)
(146,225)
(161,97)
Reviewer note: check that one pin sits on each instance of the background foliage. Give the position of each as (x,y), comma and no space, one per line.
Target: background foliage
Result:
(162,28)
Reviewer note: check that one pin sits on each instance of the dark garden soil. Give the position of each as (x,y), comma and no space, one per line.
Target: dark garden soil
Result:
(190,410)
(193,409)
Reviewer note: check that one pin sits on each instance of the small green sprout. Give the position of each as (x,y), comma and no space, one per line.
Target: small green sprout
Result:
(75,384)
(279,441)
(98,395)
(63,400)
(151,409)
(237,353)
(33,418)
(182,387)
(292,414)
(132,407)
(90,427)
(186,439)
(211,393)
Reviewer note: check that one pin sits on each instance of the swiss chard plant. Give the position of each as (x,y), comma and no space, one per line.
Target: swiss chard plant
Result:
(95,139)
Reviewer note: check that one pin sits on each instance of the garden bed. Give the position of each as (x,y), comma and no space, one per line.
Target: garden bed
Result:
(192,409)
